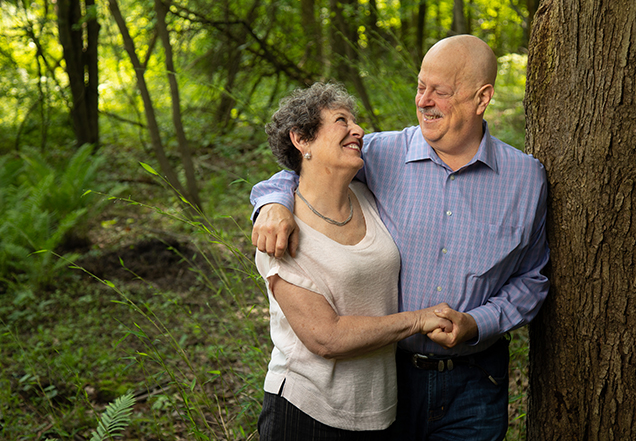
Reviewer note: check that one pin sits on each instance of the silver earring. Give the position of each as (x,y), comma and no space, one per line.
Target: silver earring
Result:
(307,155)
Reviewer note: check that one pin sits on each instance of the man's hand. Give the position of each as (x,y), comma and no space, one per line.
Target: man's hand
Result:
(464,328)
(275,230)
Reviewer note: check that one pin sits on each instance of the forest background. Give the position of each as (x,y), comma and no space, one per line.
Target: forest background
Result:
(131,133)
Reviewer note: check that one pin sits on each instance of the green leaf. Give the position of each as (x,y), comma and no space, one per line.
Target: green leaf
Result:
(149,169)
(116,418)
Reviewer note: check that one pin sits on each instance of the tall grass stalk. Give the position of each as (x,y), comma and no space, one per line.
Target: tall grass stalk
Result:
(198,396)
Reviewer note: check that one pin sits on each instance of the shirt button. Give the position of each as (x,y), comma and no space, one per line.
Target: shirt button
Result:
(452,178)
(449,213)
(439,288)
(444,250)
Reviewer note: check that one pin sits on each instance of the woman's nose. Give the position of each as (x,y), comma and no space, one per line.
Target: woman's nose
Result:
(357,131)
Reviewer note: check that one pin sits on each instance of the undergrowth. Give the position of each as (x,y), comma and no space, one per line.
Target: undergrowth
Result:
(158,307)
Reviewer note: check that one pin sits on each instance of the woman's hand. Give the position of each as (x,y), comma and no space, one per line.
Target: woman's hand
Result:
(428,321)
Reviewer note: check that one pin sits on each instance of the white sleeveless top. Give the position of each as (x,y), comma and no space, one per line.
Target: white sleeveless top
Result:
(358,393)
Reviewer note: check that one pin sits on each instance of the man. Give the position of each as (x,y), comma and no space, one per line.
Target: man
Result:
(467,213)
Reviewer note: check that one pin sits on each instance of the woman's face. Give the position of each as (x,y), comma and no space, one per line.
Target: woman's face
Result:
(338,142)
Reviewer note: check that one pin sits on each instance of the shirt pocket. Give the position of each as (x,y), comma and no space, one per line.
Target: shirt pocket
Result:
(494,250)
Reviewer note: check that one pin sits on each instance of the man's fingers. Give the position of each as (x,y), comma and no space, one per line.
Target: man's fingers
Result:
(293,242)
(272,230)
(280,245)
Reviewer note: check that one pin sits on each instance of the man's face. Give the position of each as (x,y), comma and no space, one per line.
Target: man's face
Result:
(446,104)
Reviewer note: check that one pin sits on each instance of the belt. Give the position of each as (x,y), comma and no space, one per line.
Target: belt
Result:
(436,364)
(424,362)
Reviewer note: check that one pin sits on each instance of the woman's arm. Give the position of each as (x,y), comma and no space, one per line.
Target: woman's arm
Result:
(329,335)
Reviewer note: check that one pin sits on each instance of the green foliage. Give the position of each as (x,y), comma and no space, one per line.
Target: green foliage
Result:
(40,205)
(506,113)
(115,419)
(198,354)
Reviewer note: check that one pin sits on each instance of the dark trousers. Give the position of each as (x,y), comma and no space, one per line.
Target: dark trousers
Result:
(459,404)
(282,421)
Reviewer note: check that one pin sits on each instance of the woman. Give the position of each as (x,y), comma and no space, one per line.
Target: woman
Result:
(333,307)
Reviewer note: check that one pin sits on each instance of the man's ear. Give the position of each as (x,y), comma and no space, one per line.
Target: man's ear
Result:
(484,95)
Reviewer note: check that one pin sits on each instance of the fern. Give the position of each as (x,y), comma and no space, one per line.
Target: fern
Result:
(115,418)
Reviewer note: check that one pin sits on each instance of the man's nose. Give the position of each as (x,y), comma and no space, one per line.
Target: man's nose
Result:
(423,98)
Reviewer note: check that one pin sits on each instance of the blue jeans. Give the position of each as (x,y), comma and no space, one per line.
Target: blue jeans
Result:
(459,404)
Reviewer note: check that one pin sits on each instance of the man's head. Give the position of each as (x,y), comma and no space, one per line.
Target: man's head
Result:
(455,85)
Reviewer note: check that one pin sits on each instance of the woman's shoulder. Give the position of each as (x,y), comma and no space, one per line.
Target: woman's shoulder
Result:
(360,189)
(364,195)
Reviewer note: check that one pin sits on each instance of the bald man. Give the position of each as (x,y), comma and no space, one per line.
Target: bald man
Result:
(467,213)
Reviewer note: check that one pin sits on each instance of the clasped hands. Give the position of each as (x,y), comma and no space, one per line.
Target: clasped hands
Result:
(275,232)
(453,327)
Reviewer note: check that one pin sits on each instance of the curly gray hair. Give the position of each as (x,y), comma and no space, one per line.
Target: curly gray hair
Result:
(300,112)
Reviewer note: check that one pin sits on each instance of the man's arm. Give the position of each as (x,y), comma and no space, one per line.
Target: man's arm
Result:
(274,225)
(519,299)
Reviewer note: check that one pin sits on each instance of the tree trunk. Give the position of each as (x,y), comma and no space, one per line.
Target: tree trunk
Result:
(151,120)
(531,6)
(184,149)
(80,55)
(344,45)
(459,25)
(313,33)
(421,22)
(581,124)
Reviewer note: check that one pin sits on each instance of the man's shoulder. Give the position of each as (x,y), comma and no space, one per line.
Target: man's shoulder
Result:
(521,171)
(513,157)
(392,136)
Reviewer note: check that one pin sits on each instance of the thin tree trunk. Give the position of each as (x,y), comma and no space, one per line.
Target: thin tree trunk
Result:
(151,120)
(184,149)
(459,25)
(80,60)
(421,30)
(91,61)
(345,60)
(313,33)
(581,123)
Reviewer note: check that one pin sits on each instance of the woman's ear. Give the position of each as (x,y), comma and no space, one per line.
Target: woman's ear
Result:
(297,141)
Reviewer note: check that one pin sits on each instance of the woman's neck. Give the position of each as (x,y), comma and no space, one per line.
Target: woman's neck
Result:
(327,193)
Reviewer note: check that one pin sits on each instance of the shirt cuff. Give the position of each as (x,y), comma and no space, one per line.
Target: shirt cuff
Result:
(272,198)
(487,321)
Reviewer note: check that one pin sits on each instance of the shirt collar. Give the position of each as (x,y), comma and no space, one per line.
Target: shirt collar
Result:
(419,150)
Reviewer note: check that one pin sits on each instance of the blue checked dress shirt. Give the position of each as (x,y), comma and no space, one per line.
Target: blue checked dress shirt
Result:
(473,238)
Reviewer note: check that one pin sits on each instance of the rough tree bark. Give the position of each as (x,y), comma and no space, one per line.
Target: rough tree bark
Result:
(581,124)
(79,43)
